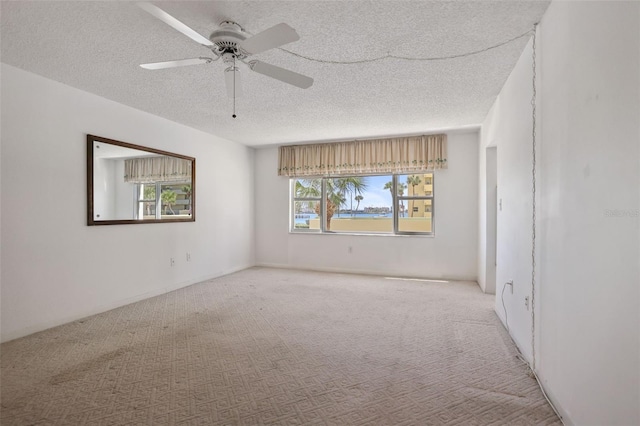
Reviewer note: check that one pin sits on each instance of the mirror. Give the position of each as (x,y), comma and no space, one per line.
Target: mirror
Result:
(129,184)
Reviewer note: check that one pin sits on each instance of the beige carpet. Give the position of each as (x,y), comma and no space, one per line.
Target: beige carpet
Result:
(270,346)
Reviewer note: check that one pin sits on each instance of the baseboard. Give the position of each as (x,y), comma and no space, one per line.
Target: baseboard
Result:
(363,272)
(565,417)
(500,315)
(35,328)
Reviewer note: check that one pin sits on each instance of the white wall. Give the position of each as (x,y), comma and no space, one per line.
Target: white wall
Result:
(508,126)
(55,268)
(491,192)
(450,254)
(588,260)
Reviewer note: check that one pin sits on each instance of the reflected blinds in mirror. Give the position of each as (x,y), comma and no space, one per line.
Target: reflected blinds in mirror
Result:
(156,169)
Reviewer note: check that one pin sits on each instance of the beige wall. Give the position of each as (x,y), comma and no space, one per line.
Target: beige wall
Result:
(375,224)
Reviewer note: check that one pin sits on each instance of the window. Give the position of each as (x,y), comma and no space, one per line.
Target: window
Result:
(419,200)
(146,201)
(307,204)
(159,200)
(373,204)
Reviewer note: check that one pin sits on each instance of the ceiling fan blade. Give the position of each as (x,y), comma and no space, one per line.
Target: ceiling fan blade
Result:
(173,64)
(231,78)
(268,39)
(286,76)
(173,22)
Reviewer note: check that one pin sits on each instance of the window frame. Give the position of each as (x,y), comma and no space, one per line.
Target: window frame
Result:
(140,200)
(395,202)
(397,198)
(294,199)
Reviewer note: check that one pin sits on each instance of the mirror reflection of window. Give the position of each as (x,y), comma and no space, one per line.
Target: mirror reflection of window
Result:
(146,201)
(173,199)
(131,185)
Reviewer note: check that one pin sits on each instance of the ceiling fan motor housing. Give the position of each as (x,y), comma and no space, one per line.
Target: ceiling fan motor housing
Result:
(227,37)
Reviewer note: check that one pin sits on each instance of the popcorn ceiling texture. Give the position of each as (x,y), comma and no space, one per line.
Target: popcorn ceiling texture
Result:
(270,346)
(97,47)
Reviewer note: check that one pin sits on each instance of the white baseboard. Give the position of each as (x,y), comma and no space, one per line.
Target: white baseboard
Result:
(363,272)
(565,416)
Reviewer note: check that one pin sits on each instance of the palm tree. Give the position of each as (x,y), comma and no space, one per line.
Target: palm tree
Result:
(389,186)
(336,191)
(308,188)
(334,201)
(401,188)
(335,194)
(168,198)
(312,188)
(354,185)
(358,199)
(413,180)
(357,185)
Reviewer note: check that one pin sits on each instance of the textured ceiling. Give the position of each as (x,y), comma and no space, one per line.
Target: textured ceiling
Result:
(97,46)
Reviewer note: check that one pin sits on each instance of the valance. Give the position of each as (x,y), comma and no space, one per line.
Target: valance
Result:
(157,169)
(393,155)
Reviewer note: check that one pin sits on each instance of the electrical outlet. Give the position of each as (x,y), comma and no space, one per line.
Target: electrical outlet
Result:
(510,283)
(172,261)
(526,302)
(188,257)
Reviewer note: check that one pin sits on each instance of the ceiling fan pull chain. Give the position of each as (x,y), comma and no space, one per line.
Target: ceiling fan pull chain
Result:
(235,70)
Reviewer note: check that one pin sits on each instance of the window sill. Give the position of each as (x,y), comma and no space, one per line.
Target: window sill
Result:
(363,234)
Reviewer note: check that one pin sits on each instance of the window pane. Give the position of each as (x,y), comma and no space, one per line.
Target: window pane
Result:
(147,201)
(306,215)
(307,188)
(359,204)
(428,184)
(148,191)
(418,185)
(417,216)
(175,200)
(147,210)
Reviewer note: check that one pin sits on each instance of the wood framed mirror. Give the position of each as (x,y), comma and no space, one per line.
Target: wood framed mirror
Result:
(133,184)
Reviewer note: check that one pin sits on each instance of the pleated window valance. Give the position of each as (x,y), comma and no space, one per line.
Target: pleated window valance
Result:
(156,169)
(394,155)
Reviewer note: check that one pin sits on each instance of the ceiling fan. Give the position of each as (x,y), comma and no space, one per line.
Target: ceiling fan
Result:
(231,43)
